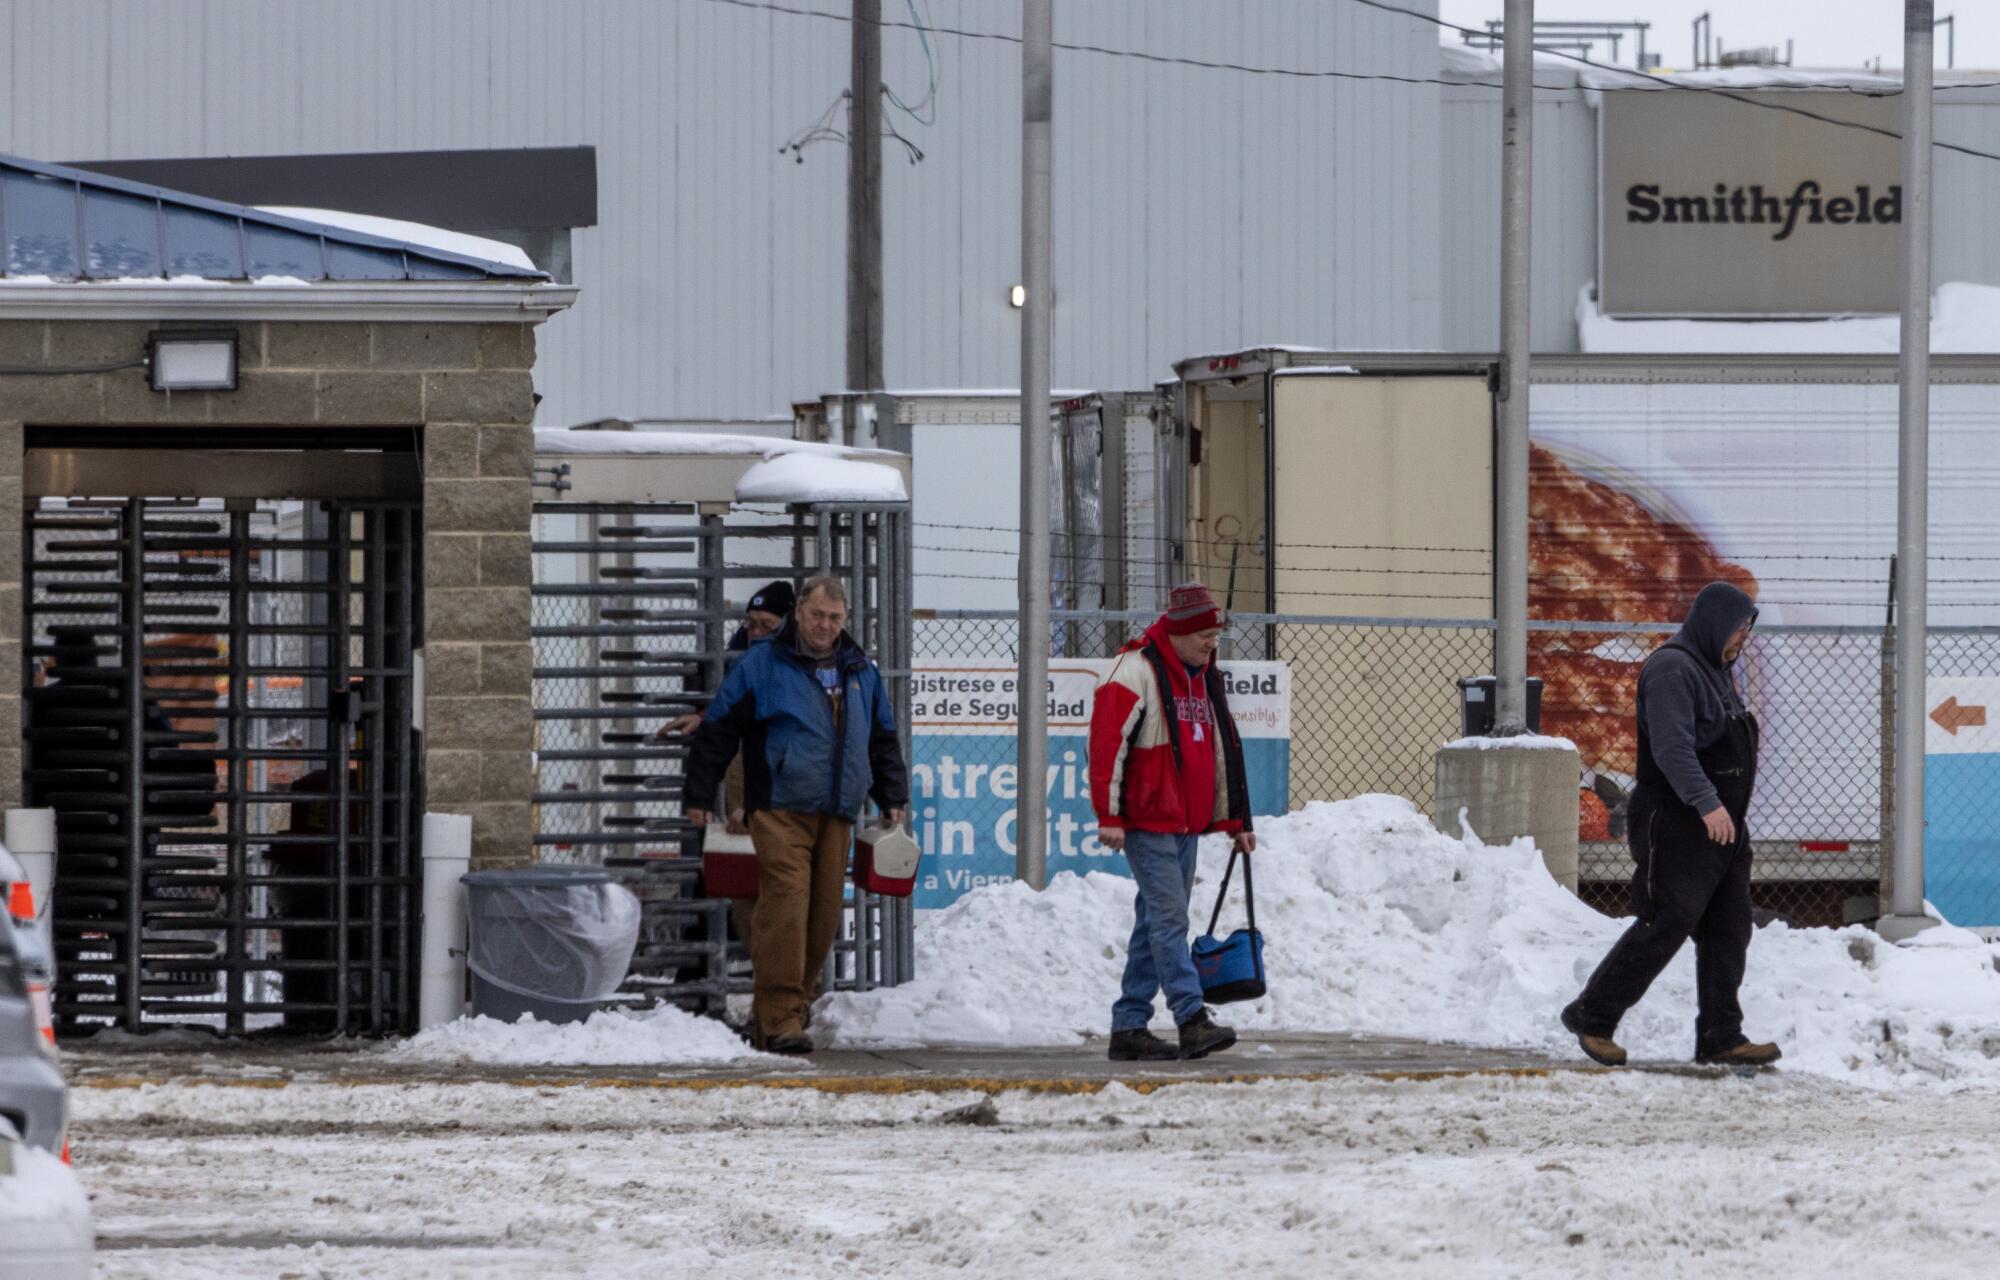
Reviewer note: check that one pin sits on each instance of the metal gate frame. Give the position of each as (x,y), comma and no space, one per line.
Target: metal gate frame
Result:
(205,893)
(631,626)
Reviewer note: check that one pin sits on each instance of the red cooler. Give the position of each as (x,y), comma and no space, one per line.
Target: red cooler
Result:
(728,864)
(885,861)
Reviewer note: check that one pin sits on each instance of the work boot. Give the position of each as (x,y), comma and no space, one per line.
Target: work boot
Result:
(1201,1036)
(1140,1046)
(1602,1050)
(791,1044)
(1741,1055)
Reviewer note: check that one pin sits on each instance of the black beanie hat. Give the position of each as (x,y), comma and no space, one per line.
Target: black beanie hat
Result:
(774,597)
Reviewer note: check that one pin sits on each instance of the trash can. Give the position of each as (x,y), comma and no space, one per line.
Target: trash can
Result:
(551,941)
(1475,704)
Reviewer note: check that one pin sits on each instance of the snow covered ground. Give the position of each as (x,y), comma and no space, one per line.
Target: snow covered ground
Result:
(1873,1148)
(1579,1175)
(1376,922)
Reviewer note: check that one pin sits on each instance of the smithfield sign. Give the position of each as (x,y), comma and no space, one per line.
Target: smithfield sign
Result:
(1713,207)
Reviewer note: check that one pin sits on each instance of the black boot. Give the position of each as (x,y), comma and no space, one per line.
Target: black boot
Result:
(1140,1046)
(1200,1036)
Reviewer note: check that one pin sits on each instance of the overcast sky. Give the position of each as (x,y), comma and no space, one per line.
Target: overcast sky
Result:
(1825,33)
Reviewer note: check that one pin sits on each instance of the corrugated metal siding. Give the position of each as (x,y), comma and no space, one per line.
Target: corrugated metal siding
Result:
(1196,210)
(1564,216)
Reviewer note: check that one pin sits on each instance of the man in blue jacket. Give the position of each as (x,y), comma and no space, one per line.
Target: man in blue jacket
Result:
(812,717)
(1690,846)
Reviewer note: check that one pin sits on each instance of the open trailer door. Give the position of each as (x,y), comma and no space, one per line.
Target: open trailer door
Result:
(1381,507)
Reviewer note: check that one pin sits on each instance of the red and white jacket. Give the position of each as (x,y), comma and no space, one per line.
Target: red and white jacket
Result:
(1164,751)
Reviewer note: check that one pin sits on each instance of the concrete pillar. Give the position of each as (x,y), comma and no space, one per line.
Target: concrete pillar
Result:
(1503,790)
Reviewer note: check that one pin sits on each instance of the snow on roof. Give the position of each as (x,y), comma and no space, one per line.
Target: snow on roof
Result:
(1965,320)
(563,440)
(418,233)
(1292,370)
(65,225)
(802,477)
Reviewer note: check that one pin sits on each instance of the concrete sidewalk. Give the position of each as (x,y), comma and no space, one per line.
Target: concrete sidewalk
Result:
(1081,1069)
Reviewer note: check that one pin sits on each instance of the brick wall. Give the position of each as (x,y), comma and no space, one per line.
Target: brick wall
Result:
(468,386)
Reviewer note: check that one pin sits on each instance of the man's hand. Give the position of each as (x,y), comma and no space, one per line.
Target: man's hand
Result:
(678,725)
(1244,842)
(736,826)
(894,817)
(698,817)
(1111,837)
(1721,827)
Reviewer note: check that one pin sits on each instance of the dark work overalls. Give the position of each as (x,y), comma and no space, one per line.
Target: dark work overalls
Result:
(1685,885)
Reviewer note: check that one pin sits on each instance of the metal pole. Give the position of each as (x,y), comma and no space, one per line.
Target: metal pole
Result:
(1906,908)
(1031,862)
(1510,580)
(864,202)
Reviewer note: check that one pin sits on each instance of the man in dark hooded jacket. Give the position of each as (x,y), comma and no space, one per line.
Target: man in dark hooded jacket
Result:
(1690,846)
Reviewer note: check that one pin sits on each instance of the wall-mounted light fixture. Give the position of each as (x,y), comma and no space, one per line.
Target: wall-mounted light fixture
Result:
(192,359)
(1017,297)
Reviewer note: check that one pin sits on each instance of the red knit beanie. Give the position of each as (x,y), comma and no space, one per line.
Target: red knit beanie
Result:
(1190,609)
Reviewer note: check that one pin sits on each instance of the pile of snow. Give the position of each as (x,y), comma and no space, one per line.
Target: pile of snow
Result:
(665,1036)
(1965,320)
(1376,922)
(797,477)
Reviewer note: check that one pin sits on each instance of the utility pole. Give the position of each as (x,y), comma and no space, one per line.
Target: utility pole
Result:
(864,202)
(1905,916)
(1510,461)
(1031,854)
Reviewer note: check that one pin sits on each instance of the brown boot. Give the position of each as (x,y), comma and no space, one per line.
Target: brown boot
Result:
(1742,1055)
(1602,1050)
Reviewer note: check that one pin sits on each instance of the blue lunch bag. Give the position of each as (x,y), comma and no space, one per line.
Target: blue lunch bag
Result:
(1231,968)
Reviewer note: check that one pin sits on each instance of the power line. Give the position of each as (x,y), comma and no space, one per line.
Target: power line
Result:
(1667,82)
(1299,73)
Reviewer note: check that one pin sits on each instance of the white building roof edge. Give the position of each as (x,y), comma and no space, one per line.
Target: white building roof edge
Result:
(416,301)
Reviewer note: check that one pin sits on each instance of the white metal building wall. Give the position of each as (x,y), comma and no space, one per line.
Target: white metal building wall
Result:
(1196,209)
(1565,212)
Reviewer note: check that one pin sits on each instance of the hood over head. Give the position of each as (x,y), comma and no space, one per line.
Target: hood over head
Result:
(1718,611)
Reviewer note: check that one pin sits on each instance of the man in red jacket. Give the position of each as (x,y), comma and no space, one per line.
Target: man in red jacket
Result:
(1166,766)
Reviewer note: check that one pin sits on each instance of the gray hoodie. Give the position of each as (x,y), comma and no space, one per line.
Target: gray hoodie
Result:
(1686,694)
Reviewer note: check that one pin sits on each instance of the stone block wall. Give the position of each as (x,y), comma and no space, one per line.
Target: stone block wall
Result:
(467,386)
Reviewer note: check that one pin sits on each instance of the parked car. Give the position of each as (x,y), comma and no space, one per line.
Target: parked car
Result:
(33,1098)
(45,1231)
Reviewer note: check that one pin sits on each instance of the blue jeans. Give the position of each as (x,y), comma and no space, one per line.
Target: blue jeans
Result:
(1157,957)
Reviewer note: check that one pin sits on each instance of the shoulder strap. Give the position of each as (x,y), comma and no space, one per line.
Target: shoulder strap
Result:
(1249,893)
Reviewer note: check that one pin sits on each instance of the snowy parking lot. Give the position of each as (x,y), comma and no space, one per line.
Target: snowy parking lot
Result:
(1573,1174)
(444,1156)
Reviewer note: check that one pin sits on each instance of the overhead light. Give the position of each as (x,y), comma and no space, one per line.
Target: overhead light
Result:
(1017,297)
(192,359)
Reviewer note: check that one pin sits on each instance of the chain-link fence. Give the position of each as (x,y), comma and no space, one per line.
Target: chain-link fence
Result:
(1368,701)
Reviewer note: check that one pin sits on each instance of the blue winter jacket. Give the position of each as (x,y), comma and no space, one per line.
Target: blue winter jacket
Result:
(802,752)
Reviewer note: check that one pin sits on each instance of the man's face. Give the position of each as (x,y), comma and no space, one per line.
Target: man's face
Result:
(1197,647)
(820,619)
(760,623)
(1737,639)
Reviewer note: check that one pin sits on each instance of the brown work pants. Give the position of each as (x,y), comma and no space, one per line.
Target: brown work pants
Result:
(801,878)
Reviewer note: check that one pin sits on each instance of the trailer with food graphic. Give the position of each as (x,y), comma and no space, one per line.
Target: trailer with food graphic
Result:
(1359,486)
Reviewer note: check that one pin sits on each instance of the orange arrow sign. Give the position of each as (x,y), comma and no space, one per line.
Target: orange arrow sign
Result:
(1951,717)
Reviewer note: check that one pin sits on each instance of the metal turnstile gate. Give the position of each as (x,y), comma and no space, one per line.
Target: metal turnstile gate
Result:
(219,710)
(633,617)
